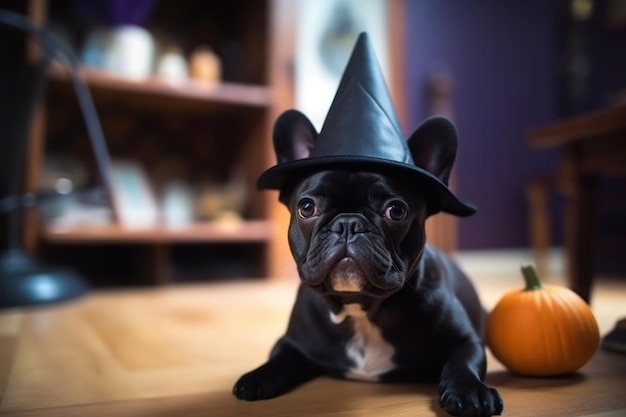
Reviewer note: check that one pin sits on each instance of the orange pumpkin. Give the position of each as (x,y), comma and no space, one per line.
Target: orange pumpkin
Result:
(542,330)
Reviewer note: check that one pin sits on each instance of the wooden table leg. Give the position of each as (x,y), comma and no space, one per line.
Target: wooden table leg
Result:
(537,192)
(580,221)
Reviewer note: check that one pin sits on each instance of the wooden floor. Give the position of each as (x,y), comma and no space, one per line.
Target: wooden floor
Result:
(177,352)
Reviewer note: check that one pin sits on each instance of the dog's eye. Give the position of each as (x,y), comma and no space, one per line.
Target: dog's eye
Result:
(307,208)
(395,211)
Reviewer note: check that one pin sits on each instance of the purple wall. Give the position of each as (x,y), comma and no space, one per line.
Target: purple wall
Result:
(612,63)
(502,57)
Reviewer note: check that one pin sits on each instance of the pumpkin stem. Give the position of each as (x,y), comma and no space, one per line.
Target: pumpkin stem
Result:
(531,278)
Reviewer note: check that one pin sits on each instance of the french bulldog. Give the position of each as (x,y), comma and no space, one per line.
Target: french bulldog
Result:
(375,302)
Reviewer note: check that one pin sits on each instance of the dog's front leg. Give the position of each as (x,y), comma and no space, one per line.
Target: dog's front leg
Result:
(286,369)
(461,390)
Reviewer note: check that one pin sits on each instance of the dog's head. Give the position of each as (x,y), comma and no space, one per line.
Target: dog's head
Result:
(357,231)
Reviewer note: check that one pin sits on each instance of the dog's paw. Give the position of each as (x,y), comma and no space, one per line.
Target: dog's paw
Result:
(471,400)
(271,380)
(256,385)
(286,369)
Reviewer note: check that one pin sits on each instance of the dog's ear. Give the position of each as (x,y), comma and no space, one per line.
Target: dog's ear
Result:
(433,147)
(294,136)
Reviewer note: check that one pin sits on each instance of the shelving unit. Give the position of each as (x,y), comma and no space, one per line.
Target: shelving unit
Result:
(212,130)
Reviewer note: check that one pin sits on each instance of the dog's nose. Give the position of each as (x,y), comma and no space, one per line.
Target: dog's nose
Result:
(347,225)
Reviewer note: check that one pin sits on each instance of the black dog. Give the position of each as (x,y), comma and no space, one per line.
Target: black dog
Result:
(375,302)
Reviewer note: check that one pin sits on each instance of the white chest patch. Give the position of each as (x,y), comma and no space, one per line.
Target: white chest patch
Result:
(371,354)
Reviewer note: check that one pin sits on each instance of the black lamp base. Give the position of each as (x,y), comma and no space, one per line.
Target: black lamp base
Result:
(24,282)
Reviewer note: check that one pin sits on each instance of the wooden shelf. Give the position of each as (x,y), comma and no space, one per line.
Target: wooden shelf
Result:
(226,93)
(208,232)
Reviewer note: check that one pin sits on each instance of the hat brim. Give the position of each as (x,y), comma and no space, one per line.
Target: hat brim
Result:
(276,177)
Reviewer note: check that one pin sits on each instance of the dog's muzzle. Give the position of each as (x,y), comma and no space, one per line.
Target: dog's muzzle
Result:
(346,276)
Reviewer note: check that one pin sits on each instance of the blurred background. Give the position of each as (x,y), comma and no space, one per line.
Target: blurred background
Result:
(187,92)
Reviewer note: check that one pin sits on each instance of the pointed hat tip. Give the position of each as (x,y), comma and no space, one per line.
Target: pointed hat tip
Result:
(363,36)
(363,41)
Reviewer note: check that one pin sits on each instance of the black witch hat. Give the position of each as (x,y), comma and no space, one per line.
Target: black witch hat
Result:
(361,131)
